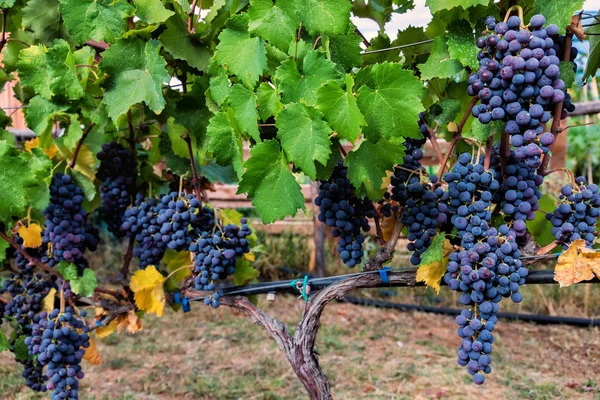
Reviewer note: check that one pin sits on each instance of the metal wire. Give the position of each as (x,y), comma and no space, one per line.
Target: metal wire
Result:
(397,47)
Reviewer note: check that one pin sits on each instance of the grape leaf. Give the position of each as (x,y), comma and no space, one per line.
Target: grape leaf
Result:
(10,54)
(566,73)
(413,54)
(577,264)
(481,132)
(67,270)
(439,64)
(225,141)
(439,5)
(276,23)
(91,354)
(340,109)
(557,11)
(152,11)
(593,61)
(244,272)
(324,16)
(296,85)
(381,41)
(460,44)
(136,73)
(345,49)
(43,18)
(50,72)
(219,84)
(269,102)
(32,235)
(177,40)
(190,111)
(86,284)
(434,262)
(390,100)
(368,164)
(176,133)
(243,102)
(304,136)
(446,111)
(16,178)
(147,286)
(242,55)
(270,183)
(39,114)
(3,247)
(540,228)
(96,19)
(21,350)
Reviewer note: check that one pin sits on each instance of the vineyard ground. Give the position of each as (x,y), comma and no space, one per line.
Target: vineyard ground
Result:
(367,353)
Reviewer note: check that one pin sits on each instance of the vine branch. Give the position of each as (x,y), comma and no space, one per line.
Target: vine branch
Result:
(3,37)
(79,143)
(196,180)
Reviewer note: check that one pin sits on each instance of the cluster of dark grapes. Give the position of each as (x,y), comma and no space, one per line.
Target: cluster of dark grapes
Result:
(519,192)
(117,171)
(172,222)
(576,217)
(518,82)
(216,255)
(59,342)
(66,234)
(342,210)
(26,296)
(413,189)
(485,268)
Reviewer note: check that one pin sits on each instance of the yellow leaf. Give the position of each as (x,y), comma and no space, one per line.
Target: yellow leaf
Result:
(576,264)
(385,183)
(86,162)
(250,256)
(32,235)
(91,354)
(51,151)
(49,300)
(147,284)
(433,273)
(104,331)
(131,322)
(32,144)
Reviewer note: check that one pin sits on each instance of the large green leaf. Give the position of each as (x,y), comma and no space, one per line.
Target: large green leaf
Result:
(302,84)
(324,16)
(345,49)
(243,102)
(340,109)
(242,55)
(276,23)
(136,72)
(270,183)
(177,40)
(304,136)
(390,100)
(225,141)
(368,164)
(42,17)
(440,64)
(10,54)
(40,114)
(16,178)
(96,19)
(557,12)
(413,54)
(593,61)
(540,228)
(151,11)
(50,72)
(460,44)
(439,5)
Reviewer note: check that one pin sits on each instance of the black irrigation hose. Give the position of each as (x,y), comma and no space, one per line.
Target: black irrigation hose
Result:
(538,319)
(534,278)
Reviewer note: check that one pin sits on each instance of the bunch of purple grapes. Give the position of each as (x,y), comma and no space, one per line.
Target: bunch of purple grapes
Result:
(66,234)
(577,214)
(216,254)
(519,82)
(117,171)
(485,268)
(59,342)
(173,223)
(342,210)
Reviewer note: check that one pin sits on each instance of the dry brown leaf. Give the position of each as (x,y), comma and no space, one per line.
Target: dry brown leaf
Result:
(131,322)
(577,264)
(91,354)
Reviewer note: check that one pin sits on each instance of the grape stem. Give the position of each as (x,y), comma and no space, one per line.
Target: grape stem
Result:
(79,144)
(466,115)
(364,39)
(3,37)
(436,147)
(488,153)
(447,157)
(177,270)
(343,151)
(196,180)
(548,248)
(555,128)
(385,252)
(378,229)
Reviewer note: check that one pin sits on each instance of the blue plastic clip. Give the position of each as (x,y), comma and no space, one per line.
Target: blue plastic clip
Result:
(177,297)
(304,285)
(383,273)
(185,305)
(558,254)
(98,323)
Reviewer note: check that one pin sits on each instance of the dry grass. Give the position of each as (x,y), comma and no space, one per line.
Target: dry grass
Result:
(367,353)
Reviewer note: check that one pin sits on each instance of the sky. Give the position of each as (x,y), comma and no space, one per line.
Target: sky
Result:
(420,16)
